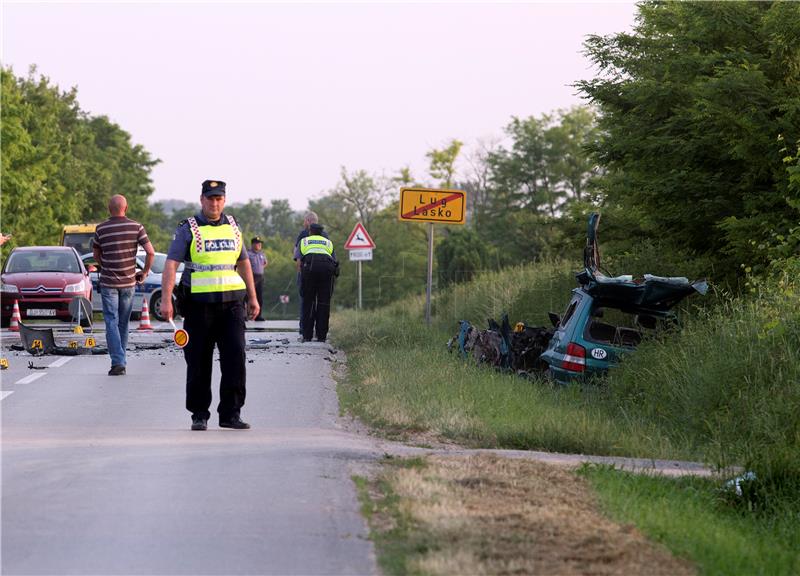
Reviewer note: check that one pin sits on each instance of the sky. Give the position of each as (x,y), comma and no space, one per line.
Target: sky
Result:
(275,98)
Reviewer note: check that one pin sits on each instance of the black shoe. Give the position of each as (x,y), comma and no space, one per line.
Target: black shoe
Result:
(320,339)
(199,423)
(236,423)
(260,319)
(117,371)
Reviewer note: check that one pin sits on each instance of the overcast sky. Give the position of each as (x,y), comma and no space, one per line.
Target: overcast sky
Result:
(275,98)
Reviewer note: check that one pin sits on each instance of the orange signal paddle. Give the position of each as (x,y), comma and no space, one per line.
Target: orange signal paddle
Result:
(180,336)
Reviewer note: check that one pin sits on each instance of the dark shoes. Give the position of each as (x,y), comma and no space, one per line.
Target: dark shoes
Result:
(260,319)
(199,423)
(117,371)
(236,423)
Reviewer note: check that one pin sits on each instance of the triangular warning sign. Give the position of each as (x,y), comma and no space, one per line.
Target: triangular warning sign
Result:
(359,239)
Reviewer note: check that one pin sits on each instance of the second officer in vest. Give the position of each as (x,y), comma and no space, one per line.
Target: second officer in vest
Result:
(317,268)
(216,295)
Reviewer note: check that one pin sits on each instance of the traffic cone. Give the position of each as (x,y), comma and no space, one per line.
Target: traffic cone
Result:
(15,318)
(144,320)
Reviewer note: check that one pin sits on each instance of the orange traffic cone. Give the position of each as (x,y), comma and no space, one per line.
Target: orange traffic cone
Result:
(15,318)
(144,320)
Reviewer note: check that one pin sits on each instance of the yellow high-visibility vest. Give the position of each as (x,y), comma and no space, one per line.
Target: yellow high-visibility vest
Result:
(316,245)
(214,252)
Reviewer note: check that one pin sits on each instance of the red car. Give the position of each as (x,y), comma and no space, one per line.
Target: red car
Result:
(43,280)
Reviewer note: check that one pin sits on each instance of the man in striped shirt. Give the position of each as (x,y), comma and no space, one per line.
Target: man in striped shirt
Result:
(116,242)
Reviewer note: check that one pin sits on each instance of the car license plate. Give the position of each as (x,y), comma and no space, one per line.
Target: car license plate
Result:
(41,312)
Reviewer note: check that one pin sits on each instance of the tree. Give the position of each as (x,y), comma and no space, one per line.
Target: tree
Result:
(281,220)
(460,255)
(442,163)
(524,176)
(364,193)
(569,139)
(478,183)
(693,104)
(61,165)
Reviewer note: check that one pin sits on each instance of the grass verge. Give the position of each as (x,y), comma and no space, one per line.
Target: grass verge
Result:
(692,518)
(489,515)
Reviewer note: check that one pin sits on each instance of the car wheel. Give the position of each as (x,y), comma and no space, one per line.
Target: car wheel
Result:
(155,306)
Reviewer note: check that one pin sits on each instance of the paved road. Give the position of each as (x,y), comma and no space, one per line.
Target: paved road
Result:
(101,475)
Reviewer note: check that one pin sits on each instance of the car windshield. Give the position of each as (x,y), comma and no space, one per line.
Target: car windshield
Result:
(42,261)
(81,241)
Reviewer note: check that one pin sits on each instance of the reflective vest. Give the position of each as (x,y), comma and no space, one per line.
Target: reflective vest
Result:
(316,245)
(214,251)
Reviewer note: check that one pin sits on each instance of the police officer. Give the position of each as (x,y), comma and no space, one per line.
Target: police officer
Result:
(318,266)
(258,261)
(216,281)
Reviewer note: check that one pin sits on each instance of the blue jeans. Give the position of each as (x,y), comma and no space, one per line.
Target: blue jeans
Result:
(117,306)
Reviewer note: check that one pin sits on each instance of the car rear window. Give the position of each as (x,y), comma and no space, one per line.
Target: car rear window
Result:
(616,327)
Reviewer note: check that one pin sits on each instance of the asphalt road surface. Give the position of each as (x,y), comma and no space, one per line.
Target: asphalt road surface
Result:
(102,475)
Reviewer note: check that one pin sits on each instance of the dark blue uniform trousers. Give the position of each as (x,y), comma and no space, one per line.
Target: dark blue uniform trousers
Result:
(210,324)
(317,292)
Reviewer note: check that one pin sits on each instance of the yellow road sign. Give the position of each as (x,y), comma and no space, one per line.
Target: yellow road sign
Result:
(433,205)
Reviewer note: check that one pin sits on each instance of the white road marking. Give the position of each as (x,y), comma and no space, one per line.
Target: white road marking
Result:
(4,395)
(30,378)
(60,362)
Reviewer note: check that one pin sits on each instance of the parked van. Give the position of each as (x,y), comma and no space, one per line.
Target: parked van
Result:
(79,236)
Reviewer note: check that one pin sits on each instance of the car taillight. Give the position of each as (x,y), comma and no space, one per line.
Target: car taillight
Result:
(575,358)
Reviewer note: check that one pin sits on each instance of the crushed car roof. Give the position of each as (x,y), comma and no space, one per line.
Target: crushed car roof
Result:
(653,293)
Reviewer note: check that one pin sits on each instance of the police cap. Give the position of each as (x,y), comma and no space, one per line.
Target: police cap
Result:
(213,188)
(256,239)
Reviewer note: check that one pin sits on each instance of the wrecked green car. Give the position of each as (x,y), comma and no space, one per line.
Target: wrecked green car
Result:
(607,317)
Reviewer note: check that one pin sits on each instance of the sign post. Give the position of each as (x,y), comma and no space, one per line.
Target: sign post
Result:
(284,300)
(432,205)
(359,245)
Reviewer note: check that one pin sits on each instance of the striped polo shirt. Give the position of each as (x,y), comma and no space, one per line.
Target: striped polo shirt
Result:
(118,239)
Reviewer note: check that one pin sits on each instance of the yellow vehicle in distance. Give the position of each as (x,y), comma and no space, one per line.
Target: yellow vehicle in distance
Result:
(79,236)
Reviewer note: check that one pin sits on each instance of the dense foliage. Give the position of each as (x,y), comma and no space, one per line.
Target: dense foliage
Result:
(697,108)
(60,165)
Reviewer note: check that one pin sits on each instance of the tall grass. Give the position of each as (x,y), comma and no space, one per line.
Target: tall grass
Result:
(729,384)
(725,388)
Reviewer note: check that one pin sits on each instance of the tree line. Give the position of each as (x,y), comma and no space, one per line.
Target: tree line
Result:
(689,144)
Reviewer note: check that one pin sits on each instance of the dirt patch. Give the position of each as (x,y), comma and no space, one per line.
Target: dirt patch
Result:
(491,515)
